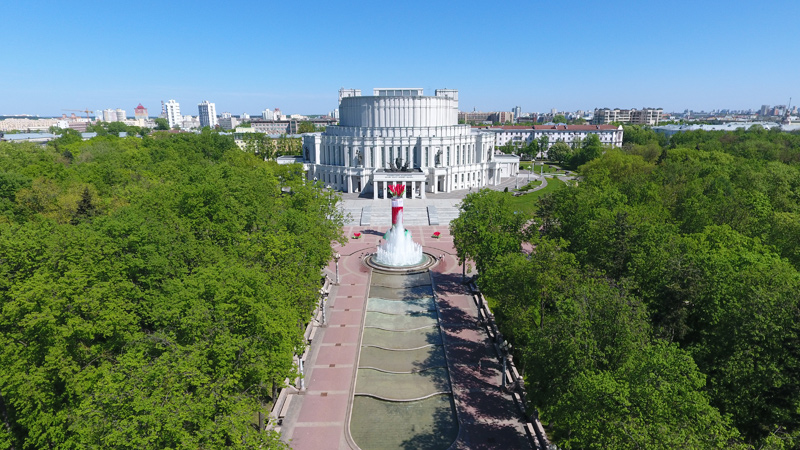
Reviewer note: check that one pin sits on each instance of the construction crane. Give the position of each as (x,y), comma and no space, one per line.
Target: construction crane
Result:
(87,111)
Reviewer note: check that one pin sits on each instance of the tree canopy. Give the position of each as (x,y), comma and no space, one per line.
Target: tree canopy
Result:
(153,290)
(657,306)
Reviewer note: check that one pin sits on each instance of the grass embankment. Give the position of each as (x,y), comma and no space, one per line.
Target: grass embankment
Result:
(527,203)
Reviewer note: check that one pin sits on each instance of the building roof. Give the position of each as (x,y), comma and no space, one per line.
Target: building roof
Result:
(20,137)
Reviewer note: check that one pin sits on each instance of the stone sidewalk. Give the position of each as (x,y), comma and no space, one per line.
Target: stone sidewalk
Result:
(318,417)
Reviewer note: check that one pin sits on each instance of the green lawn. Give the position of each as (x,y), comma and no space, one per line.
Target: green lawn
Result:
(531,185)
(527,203)
(538,167)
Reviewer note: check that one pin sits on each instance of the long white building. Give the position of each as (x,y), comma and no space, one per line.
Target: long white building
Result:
(399,135)
(521,136)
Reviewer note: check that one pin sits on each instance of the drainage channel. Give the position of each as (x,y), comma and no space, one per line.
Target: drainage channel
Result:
(403,397)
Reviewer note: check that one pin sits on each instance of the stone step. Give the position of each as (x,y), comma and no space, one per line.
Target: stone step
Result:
(416,215)
(446,215)
(411,216)
(352,216)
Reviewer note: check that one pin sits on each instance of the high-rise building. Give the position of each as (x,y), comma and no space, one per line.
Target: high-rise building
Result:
(644,116)
(244,116)
(764,110)
(120,113)
(267,115)
(517,113)
(109,115)
(172,110)
(140,112)
(227,121)
(207,114)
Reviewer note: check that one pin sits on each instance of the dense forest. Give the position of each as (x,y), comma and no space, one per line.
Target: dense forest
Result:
(153,290)
(656,304)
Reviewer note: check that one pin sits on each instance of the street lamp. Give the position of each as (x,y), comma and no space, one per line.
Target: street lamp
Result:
(336,258)
(302,379)
(323,302)
(505,349)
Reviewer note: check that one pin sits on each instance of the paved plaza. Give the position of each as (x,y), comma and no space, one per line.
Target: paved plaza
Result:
(417,211)
(318,417)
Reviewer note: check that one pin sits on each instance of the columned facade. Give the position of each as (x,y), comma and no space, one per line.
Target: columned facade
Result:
(401,136)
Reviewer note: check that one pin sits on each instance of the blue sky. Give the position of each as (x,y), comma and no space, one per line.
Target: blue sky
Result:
(249,56)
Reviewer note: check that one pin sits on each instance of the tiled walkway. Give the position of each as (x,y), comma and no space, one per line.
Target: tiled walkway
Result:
(318,417)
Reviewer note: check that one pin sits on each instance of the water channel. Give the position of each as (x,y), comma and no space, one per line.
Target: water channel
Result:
(403,397)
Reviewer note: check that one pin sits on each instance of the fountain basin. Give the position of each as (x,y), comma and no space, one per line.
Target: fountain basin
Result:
(427,262)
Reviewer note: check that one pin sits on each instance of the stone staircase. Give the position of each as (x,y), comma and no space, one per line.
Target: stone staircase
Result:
(369,215)
(446,215)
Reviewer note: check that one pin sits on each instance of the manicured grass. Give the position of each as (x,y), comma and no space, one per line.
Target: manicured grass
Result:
(527,203)
(531,185)
(538,167)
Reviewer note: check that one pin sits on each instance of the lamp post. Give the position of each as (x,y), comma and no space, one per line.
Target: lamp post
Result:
(323,301)
(336,258)
(505,348)
(302,379)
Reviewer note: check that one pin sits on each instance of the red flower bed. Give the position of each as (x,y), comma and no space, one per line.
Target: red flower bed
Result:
(436,234)
(356,235)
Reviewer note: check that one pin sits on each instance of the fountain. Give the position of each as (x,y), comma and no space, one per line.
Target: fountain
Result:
(403,381)
(399,251)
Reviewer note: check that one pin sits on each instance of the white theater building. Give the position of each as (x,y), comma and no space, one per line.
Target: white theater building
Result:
(402,136)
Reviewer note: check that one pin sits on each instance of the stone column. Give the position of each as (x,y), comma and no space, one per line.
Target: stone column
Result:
(374,190)
(384,188)
(422,189)
(349,183)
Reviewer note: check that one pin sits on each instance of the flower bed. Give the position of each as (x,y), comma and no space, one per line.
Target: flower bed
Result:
(436,234)
(356,235)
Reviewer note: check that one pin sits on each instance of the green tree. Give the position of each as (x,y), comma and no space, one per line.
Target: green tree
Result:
(559,118)
(306,127)
(591,148)
(161,124)
(116,128)
(544,144)
(486,228)
(152,290)
(508,148)
(560,152)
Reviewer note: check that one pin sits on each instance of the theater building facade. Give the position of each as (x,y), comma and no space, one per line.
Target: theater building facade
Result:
(399,135)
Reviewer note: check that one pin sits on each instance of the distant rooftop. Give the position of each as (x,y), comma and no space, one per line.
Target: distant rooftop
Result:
(397,92)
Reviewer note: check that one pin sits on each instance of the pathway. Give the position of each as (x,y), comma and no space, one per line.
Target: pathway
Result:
(317,418)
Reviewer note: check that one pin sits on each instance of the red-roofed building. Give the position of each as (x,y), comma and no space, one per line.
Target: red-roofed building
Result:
(522,135)
(140,112)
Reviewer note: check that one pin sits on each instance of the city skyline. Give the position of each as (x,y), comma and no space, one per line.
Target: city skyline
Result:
(677,56)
